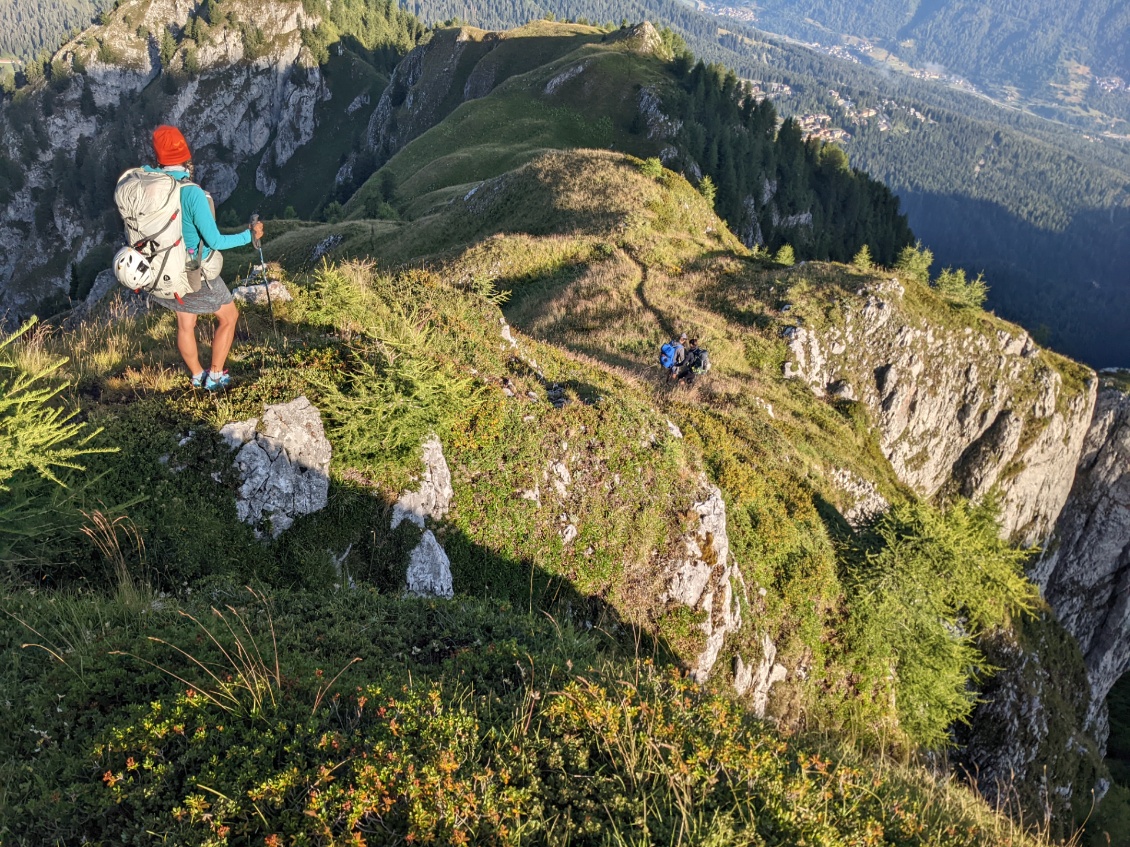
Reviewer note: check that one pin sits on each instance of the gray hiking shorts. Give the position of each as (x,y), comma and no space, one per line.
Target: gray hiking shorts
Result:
(212,295)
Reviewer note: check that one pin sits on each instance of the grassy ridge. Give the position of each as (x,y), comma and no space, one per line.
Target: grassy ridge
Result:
(585,98)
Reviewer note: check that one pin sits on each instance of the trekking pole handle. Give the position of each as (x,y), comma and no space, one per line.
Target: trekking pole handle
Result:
(255,242)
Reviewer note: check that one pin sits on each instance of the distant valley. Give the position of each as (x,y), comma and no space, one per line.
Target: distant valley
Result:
(1068,61)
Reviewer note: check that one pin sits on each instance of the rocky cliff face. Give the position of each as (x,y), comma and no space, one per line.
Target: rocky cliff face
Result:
(966,405)
(961,406)
(425,87)
(235,98)
(1085,575)
(1026,743)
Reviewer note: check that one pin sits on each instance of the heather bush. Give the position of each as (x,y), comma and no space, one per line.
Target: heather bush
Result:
(243,718)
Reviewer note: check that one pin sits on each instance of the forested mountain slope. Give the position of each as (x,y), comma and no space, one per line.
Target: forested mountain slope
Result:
(1058,53)
(28,27)
(1042,209)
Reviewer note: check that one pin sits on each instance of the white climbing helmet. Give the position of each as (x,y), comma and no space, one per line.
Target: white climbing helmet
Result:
(132,269)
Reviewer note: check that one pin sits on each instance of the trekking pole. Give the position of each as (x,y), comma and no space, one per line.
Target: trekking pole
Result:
(258,245)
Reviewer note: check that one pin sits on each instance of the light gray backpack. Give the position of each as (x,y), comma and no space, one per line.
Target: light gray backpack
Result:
(154,258)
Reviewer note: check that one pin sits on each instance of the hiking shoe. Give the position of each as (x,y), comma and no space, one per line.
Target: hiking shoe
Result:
(198,380)
(218,383)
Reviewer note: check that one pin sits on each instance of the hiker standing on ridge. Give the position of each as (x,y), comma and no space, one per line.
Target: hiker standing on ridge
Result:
(202,242)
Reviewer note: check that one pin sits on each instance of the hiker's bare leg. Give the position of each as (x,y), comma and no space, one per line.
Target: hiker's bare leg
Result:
(186,342)
(228,316)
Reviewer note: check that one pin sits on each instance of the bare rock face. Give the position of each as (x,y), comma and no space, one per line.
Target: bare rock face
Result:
(433,498)
(961,408)
(702,578)
(756,681)
(284,459)
(266,294)
(643,38)
(1025,741)
(418,95)
(1085,575)
(429,569)
(865,500)
(660,126)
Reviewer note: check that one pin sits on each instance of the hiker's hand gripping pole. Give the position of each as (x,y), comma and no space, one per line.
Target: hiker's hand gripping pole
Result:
(256,230)
(257,243)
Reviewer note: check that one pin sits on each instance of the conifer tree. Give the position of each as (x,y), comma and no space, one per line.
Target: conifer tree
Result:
(168,48)
(915,262)
(35,433)
(40,440)
(955,287)
(707,189)
(862,259)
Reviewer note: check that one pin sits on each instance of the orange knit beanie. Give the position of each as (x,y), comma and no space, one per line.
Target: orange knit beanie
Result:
(170,146)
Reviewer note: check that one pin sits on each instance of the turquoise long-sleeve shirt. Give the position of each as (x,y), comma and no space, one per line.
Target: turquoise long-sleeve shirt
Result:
(197,223)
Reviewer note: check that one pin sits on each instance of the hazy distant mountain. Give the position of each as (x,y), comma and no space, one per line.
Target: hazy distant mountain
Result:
(1068,53)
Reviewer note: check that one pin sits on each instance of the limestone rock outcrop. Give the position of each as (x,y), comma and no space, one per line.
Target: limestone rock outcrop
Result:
(429,569)
(265,294)
(756,681)
(433,498)
(865,502)
(284,460)
(702,576)
(961,408)
(1085,575)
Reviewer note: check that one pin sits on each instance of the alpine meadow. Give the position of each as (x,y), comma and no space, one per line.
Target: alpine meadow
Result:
(440,552)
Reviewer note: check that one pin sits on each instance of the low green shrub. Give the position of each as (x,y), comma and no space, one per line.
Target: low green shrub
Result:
(364,719)
(43,445)
(652,168)
(257,698)
(392,403)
